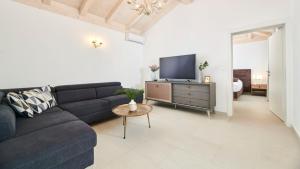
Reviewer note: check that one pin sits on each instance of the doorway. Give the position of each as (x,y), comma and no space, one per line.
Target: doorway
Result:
(258,70)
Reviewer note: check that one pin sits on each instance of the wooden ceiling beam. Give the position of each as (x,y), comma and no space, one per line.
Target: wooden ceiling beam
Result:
(113,10)
(185,1)
(47,2)
(85,6)
(65,10)
(134,21)
(82,13)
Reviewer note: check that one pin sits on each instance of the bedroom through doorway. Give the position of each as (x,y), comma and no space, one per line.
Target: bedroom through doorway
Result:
(258,73)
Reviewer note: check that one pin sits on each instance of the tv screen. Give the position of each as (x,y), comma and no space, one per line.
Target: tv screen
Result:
(178,67)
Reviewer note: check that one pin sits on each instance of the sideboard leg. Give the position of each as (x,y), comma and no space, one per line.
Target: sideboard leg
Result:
(208,113)
(175,106)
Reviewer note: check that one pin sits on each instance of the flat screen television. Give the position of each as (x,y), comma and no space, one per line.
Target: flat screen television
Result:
(178,67)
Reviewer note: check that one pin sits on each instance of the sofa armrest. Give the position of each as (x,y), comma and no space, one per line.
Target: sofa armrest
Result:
(1,96)
(7,122)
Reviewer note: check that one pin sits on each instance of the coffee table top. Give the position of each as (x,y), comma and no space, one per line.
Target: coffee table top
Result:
(123,110)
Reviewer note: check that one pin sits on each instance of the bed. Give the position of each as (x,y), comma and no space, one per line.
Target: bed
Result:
(241,82)
(237,88)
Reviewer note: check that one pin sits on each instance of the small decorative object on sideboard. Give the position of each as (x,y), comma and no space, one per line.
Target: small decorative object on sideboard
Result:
(154,69)
(207,79)
(131,94)
(202,66)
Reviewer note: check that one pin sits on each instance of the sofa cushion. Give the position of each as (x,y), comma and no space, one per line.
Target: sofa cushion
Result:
(48,147)
(35,100)
(86,107)
(7,122)
(17,102)
(107,91)
(48,96)
(19,90)
(2,94)
(67,96)
(117,100)
(51,117)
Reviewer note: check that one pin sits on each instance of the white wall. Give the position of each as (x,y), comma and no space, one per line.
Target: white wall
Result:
(297,66)
(252,56)
(204,28)
(38,48)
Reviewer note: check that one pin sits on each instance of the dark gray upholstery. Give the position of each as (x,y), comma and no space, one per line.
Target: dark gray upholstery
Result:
(44,120)
(74,99)
(86,86)
(116,100)
(18,90)
(2,94)
(58,138)
(7,122)
(107,91)
(47,148)
(86,107)
(98,117)
(67,96)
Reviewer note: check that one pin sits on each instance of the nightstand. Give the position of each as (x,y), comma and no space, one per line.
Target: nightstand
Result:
(259,89)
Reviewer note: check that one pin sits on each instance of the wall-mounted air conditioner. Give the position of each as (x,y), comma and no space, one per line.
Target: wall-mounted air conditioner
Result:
(134,38)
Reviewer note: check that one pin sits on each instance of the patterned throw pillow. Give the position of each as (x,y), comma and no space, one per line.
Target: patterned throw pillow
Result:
(32,101)
(18,103)
(35,100)
(49,98)
(39,99)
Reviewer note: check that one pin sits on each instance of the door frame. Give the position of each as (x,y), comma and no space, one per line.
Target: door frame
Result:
(288,65)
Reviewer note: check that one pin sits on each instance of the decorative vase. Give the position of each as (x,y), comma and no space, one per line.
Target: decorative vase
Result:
(132,105)
(200,77)
(153,76)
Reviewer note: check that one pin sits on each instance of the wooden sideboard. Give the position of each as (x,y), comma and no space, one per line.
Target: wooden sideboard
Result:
(188,94)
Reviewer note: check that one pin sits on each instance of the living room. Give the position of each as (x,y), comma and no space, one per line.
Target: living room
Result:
(93,51)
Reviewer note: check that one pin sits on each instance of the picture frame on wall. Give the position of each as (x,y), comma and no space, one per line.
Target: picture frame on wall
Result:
(207,79)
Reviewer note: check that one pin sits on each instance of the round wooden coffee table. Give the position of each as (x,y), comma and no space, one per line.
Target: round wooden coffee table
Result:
(123,111)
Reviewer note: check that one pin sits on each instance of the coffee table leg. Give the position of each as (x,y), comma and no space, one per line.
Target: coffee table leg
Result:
(124,124)
(148,120)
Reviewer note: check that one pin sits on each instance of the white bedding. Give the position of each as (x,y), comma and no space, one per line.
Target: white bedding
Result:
(237,86)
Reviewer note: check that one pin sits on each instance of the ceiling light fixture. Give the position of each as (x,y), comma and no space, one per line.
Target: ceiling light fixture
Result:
(147,7)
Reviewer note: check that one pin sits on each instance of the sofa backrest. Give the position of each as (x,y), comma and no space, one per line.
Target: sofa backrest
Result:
(18,90)
(106,91)
(80,92)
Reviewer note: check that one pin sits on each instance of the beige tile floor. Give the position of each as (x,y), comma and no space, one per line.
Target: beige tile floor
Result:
(182,139)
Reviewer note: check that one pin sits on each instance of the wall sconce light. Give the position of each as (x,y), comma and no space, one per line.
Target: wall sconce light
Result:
(97,44)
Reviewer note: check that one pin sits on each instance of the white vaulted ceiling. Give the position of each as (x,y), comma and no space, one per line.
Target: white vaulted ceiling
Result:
(114,14)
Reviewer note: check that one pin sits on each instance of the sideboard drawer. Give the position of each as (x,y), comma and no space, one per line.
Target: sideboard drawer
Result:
(194,88)
(191,102)
(200,103)
(181,100)
(192,94)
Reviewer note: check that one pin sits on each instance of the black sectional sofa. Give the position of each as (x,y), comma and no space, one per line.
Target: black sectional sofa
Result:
(59,138)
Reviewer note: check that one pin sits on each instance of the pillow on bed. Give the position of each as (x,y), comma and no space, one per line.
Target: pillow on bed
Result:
(235,79)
